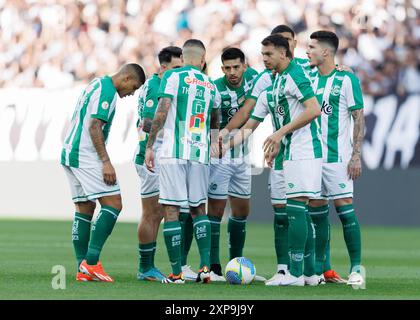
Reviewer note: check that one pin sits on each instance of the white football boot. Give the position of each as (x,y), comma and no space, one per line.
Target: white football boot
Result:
(189,275)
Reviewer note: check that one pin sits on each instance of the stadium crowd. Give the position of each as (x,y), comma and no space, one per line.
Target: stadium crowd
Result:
(59,43)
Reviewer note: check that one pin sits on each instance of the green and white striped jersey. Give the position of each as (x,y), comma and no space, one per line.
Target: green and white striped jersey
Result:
(148,102)
(291,88)
(187,126)
(266,78)
(98,101)
(232,99)
(311,73)
(338,93)
(266,105)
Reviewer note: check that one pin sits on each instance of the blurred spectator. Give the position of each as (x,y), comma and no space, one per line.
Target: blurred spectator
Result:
(58,43)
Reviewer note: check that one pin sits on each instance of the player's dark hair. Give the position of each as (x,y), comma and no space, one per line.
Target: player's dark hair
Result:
(326,37)
(279,42)
(166,54)
(283,28)
(232,54)
(194,43)
(137,71)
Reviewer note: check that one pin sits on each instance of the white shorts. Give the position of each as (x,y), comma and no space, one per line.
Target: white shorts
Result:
(183,183)
(277,187)
(149,181)
(336,183)
(230,178)
(303,178)
(87,184)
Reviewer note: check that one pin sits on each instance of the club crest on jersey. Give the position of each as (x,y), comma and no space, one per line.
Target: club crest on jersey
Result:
(149,103)
(105,105)
(326,108)
(335,91)
(205,84)
(281,90)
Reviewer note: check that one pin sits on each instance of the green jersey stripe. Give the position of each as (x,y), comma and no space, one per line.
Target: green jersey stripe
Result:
(333,120)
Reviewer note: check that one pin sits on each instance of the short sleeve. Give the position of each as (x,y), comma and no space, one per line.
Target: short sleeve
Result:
(261,83)
(104,102)
(150,102)
(261,108)
(353,92)
(301,87)
(169,85)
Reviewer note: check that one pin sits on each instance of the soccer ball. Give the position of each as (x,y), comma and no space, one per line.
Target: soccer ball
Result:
(240,271)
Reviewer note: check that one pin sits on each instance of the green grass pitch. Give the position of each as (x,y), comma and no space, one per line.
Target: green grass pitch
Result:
(29,250)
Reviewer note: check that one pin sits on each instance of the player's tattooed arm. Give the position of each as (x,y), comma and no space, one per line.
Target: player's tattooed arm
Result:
(159,120)
(156,127)
(147,125)
(98,140)
(355,164)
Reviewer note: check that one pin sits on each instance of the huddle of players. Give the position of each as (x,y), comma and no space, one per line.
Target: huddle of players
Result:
(310,155)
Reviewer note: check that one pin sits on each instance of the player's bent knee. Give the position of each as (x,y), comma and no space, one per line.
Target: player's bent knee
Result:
(198,211)
(343,202)
(315,203)
(171,213)
(114,201)
(216,207)
(87,207)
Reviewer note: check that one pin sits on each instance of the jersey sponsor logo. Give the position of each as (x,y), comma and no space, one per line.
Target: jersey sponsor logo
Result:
(192,80)
(326,108)
(198,144)
(197,119)
(280,110)
(232,112)
(105,105)
(149,103)
(335,91)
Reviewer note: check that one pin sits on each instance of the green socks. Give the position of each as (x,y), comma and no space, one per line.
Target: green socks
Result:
(327,262)
(80,235)
(146,256)
(202,233)
(237,232)
(309,259)
(297,234)
(101,230)
(319,217)
(352,237)
(215,240)
(281,225)
(185,220)
(172,235)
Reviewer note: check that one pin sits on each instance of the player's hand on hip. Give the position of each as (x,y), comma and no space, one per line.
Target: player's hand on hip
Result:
(354,168)
(108,171)
(150,159)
